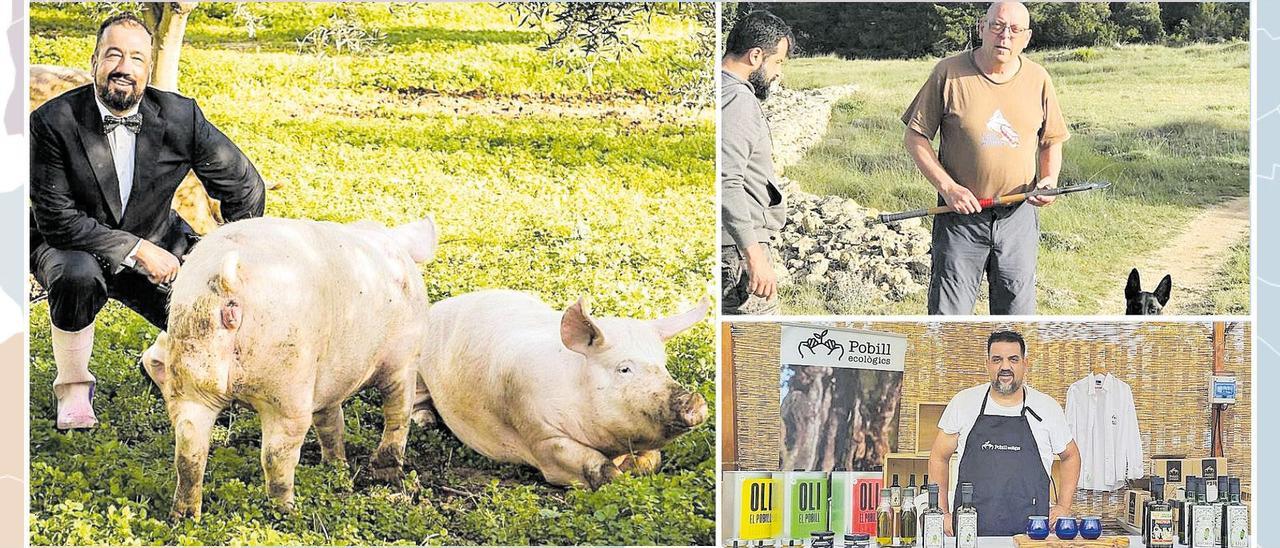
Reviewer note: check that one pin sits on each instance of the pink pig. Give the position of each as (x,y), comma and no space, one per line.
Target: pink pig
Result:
(292,317)
(578,397)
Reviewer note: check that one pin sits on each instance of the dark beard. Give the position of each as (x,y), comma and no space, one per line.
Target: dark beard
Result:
(116,100)
(1013,387)
(757,81)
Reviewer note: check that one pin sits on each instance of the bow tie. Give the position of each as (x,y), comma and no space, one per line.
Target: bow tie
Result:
(132,122)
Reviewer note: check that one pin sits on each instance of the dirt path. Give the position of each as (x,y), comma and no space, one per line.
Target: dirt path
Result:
(1191,258)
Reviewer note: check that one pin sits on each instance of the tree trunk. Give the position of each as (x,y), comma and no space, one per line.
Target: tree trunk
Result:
(839,418)
(168,22)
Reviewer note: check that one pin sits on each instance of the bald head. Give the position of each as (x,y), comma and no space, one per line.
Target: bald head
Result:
(1010,12)
(1005,31)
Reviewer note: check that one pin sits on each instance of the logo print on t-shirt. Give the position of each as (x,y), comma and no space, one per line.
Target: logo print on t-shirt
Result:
(1000,132)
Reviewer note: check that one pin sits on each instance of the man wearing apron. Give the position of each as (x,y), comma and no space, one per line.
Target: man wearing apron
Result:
(1007,434)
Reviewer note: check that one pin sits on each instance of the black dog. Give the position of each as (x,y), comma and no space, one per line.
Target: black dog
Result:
(1145,303)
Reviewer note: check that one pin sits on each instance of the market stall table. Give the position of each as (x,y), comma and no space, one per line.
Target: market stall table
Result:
(1007,542)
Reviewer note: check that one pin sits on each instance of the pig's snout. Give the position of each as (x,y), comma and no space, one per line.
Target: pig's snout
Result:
(689,409)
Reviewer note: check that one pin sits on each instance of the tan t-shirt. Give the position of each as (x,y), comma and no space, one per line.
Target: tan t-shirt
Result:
(991,132)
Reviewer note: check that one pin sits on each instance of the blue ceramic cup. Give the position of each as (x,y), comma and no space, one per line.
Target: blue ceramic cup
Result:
(1038,527)
(1091,527)
(1065,528)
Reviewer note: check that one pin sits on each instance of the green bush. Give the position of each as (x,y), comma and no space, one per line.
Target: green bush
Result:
(1212,22)
(1083,55)
(886,30)
(1069,24)
(1139,22)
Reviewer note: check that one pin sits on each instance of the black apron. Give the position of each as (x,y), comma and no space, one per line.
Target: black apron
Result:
(1002,461)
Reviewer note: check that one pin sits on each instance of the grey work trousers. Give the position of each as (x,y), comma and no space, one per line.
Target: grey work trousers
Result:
(1001,242)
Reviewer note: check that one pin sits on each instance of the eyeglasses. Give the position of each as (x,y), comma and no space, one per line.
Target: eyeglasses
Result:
(998,27)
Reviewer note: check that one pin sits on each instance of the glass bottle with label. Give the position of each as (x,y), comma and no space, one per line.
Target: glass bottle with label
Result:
(895,493)
(1184,516)
(932,532)
(907,516)
(966,518)
(884,520)
(1235,519)
(1157,486)
(1175,504)
(922,504)
(1219,509)
(1161,519)
(1201,520)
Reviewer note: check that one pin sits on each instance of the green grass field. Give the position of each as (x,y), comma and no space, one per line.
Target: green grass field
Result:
(1168,126)
(601,188)
(1228,295)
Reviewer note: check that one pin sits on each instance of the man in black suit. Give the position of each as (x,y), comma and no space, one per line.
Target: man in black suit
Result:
(106,160)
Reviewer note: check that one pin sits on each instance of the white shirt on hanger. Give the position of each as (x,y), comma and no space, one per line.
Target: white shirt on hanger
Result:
(1100,411)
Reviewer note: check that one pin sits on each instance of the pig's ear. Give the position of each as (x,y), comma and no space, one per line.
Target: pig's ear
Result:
(670,326)
(577,331)
(419,238)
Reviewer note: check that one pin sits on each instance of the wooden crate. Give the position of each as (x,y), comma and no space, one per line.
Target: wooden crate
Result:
(927,416)
(905,464)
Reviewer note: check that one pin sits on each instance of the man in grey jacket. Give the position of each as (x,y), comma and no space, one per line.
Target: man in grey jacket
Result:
(752,209)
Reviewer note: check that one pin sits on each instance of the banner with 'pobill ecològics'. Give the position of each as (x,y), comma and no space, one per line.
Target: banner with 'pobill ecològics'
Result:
(836,347)
(840,392)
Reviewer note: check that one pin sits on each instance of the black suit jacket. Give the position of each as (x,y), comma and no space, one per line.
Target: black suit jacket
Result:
(75,197)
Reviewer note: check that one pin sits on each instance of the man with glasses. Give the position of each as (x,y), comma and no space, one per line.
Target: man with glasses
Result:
(1007,434)
(1001,133)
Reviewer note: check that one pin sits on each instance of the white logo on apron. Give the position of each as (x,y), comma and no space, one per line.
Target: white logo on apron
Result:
(988,446)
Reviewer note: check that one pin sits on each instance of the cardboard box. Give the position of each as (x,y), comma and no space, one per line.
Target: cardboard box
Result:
(804,503)
(750,506)
(1176,471)
(927,416)
(1134,500)
(854,499)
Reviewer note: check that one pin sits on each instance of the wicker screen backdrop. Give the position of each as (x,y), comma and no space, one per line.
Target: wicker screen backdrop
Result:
(1167,364)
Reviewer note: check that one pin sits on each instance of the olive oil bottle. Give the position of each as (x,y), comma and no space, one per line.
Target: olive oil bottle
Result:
(1160,528)
(1157,489)
(1201,520)
(884,519)
(966,518)
(1220,508)
(907,516)
(1185,530)
(1235,519)
(932,531)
